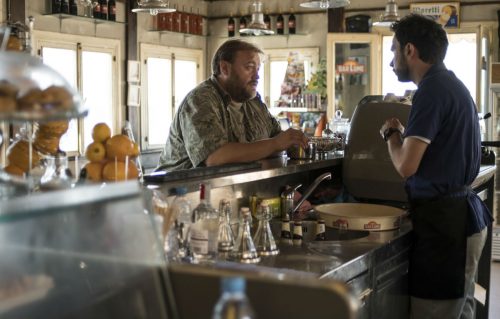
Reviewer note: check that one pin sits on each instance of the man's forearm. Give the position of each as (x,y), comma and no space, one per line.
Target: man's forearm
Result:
(242,152)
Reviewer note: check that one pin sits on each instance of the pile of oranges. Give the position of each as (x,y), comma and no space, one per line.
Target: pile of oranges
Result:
(110,157)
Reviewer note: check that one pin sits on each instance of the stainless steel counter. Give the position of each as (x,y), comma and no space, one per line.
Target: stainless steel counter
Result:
(270,168)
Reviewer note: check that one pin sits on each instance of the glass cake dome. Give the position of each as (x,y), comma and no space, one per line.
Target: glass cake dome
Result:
(33,91)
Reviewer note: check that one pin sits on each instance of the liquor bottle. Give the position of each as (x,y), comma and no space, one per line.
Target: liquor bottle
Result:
(297,233)
(193,22)
(65,6)
(73,7)
(243,24)
(199,23)
(184,21)
(291,22)
(96,12)
(280,24)
(111,10)
(205,228)
(176,21)
(320,230)
(233,302)
(56,6)
(327,132)
(285,228)
(104,9)
(267,20)
(230,26)
(181,208)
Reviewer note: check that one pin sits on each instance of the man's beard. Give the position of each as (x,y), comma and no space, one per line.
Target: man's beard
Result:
(238,92)
(403,72)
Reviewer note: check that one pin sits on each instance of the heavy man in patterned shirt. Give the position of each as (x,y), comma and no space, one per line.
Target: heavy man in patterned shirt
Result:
(223,120)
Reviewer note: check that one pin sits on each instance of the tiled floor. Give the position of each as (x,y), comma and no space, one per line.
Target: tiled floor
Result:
(495,291)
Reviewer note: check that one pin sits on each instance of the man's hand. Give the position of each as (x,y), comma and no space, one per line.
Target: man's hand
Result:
(291,137)
(392,123)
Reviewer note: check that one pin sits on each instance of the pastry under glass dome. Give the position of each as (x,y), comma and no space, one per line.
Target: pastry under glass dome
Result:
(33,91)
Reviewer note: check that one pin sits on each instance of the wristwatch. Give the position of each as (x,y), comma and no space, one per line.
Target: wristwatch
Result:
(388,132)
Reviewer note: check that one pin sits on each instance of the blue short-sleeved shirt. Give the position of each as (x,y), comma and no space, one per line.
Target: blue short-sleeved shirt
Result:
(444,115)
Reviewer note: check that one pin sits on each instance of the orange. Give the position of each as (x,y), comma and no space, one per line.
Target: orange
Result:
(115,171)
(101,132)
(13,170)
(136,150)
(119,147)
(94,171)
(95,152)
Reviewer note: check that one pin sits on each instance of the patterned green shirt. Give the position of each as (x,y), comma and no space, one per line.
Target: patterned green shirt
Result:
(204,122)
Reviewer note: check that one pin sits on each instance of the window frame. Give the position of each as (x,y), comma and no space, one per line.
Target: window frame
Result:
(164,52)
(81,43)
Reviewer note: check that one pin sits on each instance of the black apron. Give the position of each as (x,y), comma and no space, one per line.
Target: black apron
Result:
(437,259)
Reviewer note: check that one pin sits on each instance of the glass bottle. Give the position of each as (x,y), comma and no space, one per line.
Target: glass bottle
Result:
(233,302)
(230,26)
(104,9)
(292,23)
(73,7)
(57,175)
(327,132)
(297,233)
(225,240)
(205,228)
(267,20)
(56,6)
(243,23)
(112,10)
(285,228)
(244,248)
(280,24)
(65,6)
(181,208)
(263,239)
(96,12)
(320,230)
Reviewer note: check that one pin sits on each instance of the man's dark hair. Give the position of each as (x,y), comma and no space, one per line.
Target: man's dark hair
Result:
(227,52)
(425,34)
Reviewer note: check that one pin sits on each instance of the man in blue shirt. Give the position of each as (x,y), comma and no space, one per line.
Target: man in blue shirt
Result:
(439,156)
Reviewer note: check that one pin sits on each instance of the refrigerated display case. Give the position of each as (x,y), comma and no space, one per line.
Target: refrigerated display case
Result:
(88,252)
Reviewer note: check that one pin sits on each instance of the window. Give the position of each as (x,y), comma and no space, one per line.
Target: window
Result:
(462,47)
(90,65)
(273,68)
(168,76)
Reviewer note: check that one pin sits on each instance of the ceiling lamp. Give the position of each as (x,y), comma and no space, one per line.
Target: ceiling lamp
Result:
(390,16)
(325,4)
(153,7)
(257,25)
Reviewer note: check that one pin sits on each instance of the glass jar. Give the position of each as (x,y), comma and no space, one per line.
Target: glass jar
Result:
(57,174)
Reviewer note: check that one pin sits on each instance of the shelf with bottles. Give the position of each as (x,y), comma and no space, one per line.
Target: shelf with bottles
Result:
(99,11)
(283,26)
(64,16)
(177,22)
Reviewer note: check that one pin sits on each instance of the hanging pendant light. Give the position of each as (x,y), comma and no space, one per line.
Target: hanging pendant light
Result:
(390,15)
(325,4)
(153,7)
(257,25)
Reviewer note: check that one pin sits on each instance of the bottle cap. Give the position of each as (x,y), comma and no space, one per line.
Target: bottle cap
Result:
(181,190)
(233,284)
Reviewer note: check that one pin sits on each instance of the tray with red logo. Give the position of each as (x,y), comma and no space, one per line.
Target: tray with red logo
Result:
(360,216)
